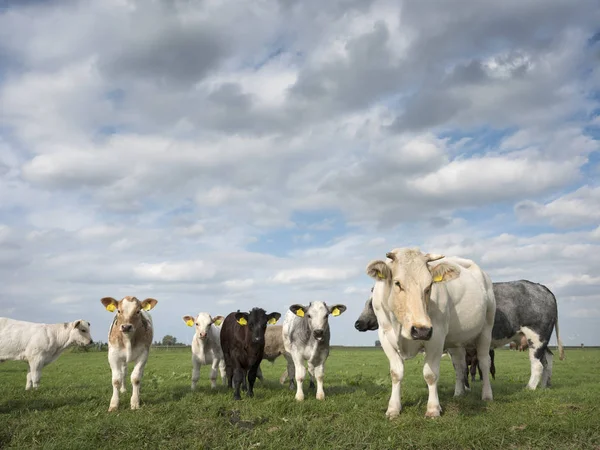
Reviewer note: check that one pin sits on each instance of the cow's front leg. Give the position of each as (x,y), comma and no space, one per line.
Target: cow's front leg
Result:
(252,375)
(300,372)
(319,372)
(116,367)
(123,387)
(223,371)
(28,383)
(431,373)
(195,371)
(136,380)
(213,373)
(35,373)
(238,377)
(458,356)
(396,373)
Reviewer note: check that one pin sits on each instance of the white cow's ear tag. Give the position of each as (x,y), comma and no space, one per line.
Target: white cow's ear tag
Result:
(335,312)
(242,321)
(438,278)
(380,276)
(110,307)
(272,321)
(147,306)
(217,322)
(190,323)
(300,313)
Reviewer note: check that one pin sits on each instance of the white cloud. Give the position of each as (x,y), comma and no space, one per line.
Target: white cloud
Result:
(311,274)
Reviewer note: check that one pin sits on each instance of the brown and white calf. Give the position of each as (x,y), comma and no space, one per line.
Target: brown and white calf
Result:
(39,343)
(129,339)
(206,346)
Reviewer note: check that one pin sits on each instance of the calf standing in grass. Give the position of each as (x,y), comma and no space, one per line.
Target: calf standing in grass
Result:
(38,343)
(206,347)
(243,344)
(306,338)
(129,339)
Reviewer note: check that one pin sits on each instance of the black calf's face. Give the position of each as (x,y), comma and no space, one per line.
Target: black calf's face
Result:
(367,321)
(257,320)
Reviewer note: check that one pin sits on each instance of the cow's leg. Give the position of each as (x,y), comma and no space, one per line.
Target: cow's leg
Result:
(547,373)
(259,375)
(537,351)
(458,356)
(136,379)
(483,359)
(479,369)
(319,371)
(213,373)
(123,387)
(195,371)
(28,383)
(283,377)
(238,377)
(252,375)
(229,374)
(492,366)
(431,373)
(116,367)
(300,372)
(223,371)
(35,372)
(291,370)
(396,373)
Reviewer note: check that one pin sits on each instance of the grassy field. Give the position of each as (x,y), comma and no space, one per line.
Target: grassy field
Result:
(70,408)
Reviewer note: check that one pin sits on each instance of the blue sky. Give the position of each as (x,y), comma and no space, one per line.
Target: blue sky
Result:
(218,156)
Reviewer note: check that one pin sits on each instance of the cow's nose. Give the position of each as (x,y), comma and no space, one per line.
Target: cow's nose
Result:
(358,325)
(421,333)
(126,328)
(257,339)
(318,334)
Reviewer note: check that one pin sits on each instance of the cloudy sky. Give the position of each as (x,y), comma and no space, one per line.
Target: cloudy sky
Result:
(219,154)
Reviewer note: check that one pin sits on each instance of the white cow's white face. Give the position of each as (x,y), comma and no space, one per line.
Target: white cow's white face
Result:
(405,287)
(202,323)
(80,333)
(317,316)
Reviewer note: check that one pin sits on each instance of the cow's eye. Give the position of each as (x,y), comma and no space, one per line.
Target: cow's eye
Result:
(397,283)
(308,316)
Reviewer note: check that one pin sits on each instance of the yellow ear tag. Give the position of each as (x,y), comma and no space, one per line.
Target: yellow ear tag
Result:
(111,308)
(147,307)
(189,323)
(380,275)
(272,321)
(242,321)
(335,312)
(218,322)
(438,278)
(300,313)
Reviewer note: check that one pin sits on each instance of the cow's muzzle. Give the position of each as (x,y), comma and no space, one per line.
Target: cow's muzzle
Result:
(318,334)
(127,328)
(362,325)
(421,333)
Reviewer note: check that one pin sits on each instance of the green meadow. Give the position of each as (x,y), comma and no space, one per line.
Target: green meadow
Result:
(69,410)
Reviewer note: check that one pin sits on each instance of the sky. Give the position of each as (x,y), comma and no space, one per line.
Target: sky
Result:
(219,155)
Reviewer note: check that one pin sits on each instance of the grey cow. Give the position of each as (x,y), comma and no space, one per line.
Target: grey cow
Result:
(522,308)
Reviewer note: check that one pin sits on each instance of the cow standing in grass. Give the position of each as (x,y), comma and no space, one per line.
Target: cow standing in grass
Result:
(448,304)
(243,344)
(129,340)
(39,344)
(306,338)
(206,346)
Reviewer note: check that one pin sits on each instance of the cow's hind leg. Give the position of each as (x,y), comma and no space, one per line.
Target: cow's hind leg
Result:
(223,371)
(458,356)
(547,372)
(484,361)
(290,372)
(213,373)
(28,383)
(537,356)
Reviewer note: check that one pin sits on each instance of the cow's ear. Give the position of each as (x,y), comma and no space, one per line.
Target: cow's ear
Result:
(299,310)
(444,272)
(379,270)
(77,324)
(109,303)
(148,304)
(241,318)
(430,257)
(273,318)
(189,321)
(217,320)
(336,310)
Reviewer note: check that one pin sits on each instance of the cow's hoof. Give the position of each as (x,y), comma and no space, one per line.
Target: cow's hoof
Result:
(487,398)
(392,413)
(433,413)
(135,406)
(320,396)
(112,408)
(250,394)
(299,398)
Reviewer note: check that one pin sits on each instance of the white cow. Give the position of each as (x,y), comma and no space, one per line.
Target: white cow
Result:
(447,305)
(129,339)
(206,346)
(306,338)
(38,343)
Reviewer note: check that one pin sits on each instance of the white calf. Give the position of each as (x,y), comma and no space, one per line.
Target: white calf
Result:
(206,347)
(306,338)
(38,343)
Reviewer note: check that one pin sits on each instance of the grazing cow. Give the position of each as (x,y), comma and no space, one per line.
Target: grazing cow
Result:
(243,344)
(306,338)
(528,309)
(473,366)
(39,344)
(446,305)
(274,348)
(520,305)
(129,339)
(206,347)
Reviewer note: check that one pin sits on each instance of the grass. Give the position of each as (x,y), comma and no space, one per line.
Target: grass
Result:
(70,408)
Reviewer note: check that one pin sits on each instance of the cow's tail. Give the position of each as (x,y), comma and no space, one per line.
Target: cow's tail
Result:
(561,350)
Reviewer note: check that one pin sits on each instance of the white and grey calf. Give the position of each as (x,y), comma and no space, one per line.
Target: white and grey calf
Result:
(39,344)
(306,337)
(419,305)
(529,309)
(206,347)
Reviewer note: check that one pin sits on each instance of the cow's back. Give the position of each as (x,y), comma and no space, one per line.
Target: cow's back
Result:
(523,303)
(15,336)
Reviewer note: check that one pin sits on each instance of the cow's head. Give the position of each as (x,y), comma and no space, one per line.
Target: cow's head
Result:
(203,322)
(79,332)
(404,284)
(367,321)
(129,312)
(257,320)
(316,315)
